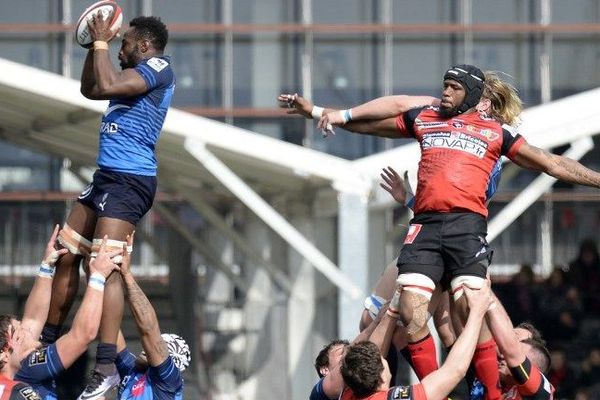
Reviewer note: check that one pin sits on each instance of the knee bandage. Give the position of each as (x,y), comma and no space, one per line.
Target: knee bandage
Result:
(417,283)
(472,282)
(73,241)
(111,245)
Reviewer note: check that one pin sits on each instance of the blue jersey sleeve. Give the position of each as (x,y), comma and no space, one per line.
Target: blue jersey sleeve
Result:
(125,363)
(166,377)
(40,365)
(317,392)
(156,71)
(494,182)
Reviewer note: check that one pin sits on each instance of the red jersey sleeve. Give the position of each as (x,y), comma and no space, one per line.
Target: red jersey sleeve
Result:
(405,122)
(511,142)
(412,392)
(532,384)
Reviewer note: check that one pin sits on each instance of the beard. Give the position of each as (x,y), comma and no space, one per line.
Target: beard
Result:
(131,60)
(448,112)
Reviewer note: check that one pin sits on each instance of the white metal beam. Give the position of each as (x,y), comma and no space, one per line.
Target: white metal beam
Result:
(271,217)
(535,189)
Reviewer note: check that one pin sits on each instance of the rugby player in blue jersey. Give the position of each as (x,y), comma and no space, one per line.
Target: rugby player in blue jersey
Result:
(155,374)
(27,360)
(124,185)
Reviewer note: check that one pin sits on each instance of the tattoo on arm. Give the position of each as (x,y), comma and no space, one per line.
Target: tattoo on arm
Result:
(145,317)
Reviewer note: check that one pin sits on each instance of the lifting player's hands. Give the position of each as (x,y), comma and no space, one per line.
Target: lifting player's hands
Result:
(52,254)
(479,300)
(99,27)
(127,249)
(295,104)
(394,184)
(103,263)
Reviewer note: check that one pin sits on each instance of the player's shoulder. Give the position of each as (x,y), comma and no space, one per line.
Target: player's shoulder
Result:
(157,64)
(23,391)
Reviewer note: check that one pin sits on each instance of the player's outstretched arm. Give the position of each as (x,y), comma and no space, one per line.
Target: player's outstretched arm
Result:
(107,82)
(87,319)
(143,313)
(504,334)
(561,168)
(381,127)
(38,301)
(440,383)
(383,333)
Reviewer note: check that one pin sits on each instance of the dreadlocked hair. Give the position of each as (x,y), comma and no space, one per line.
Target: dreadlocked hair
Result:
(506,104)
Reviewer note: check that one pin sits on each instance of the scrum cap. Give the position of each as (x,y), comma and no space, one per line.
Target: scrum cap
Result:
(472,80)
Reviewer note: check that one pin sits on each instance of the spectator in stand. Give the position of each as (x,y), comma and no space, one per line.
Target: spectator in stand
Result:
(519,295)
(560,309)
(584,272)
(561,375)
(590,369)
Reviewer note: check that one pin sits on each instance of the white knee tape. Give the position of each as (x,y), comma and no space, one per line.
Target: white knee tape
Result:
(417,283)
(111,245)
(73,241)
(472,282)
(373,304)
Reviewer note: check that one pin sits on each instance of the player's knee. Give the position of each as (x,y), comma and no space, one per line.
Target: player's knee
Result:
(470,281)
(417,290)
(73,241)
(111,246)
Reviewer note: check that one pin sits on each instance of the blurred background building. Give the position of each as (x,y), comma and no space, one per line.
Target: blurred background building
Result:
(232,58)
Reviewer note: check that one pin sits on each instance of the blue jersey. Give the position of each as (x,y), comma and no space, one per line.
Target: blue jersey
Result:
(317,392)
(39,369)
(155,383)
(131,126)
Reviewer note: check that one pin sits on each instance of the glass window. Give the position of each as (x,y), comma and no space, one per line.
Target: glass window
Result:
(412,74)
(30,11)
(574,66)
(198,70)
(421,12)
(188,11)
(265,11)
(575,11)
(33,51)
(507,11)
(343,11)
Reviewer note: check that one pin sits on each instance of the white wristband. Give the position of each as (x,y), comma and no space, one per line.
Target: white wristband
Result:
(317,112)
(46,271)
(97,281)
(346,115)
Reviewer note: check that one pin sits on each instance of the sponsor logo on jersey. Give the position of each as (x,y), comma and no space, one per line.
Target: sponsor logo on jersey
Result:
(157,64)
(29,394)
(486,133)
(401,392)
(429,125)
(109,127)
(39,357)
(457,124)
(115,107)
(138,388)
(455,141)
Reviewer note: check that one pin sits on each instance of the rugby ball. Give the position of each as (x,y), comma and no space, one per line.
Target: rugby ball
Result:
(105,8)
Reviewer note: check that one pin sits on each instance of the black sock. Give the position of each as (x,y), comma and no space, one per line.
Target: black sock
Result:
(50,333)
(106,353)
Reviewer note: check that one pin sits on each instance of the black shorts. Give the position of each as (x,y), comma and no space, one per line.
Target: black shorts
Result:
(446,245)
(126,197)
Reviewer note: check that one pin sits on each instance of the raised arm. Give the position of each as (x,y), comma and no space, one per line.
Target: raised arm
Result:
(38,301)
(143,313)
(438,384)
(87,319)
(107,82)
(383,333)
(385,126)
(504,335)
(562,168)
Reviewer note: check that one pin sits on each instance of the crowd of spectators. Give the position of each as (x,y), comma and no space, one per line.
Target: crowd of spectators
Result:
(565,306)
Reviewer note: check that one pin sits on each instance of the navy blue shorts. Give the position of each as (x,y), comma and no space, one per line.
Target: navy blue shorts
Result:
(126,197)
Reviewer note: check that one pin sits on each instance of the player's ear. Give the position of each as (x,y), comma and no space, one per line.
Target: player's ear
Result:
(144,45)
